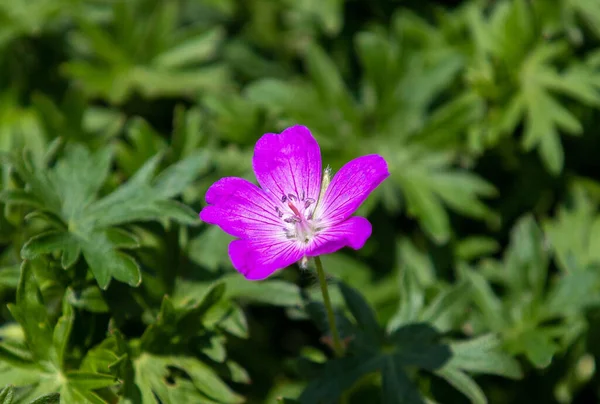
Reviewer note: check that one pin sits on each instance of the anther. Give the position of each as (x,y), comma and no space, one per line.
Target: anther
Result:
(279,212)
(292,197)
(308,202)
(283,198)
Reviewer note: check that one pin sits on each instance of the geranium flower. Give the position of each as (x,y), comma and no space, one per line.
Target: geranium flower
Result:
(295,213)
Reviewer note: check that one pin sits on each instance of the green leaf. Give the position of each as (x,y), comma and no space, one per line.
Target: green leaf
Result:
(237,373)
(483,355)
(411,300)
(417,345)
(235,322)
(572,293)
(573,232)
(53,398)
(396,386)
(475,247)
(204,385)
(205,380)
(70,255)
(31,314)
(106,262)
(89,380)
(463,383)
(337,376)
(362,312)
(7,395)
(527,247)
(9,277)
(20,197)
(445,301)
(15,355)
(122,239)
(78,177)
(272,292)
(432,185)
(85,222)
(90,298)
(62,332)
(46,243)
(193,50)
(176,178)
(326,77)
(486,300)
(538,347)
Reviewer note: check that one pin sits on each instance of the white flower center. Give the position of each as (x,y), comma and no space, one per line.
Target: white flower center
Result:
(298,213)
(297,216)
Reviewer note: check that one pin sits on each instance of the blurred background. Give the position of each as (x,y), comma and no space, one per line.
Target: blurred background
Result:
(486,111)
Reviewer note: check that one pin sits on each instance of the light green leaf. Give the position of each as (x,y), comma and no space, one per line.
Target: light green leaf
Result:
(463,383)
(483,355)
(194,50)
(7,395)
(62,332)
(31,314)
(89,381)
(52,398)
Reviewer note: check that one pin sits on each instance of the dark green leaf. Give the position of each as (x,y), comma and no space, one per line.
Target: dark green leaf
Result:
(396,386)
(362,312)
(337,376)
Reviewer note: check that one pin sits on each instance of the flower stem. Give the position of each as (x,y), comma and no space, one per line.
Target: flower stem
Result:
(337,343)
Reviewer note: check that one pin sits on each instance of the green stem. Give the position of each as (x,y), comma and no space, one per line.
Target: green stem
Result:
(337,343)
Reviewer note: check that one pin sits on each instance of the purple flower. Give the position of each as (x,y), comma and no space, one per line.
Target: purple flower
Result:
(295,213)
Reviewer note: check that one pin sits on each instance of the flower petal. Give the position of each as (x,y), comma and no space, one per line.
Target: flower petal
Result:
(352,233)
(258,260)
(351,186)
(288,163)
(241,209)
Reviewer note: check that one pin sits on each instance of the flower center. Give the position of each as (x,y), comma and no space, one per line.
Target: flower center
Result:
(296,213)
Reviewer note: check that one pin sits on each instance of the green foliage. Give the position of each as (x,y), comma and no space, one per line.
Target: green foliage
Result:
(66,198)
(38,361)
(481,279)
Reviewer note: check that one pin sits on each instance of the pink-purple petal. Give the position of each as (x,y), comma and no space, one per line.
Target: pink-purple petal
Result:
(352,233)
(240,208)
(288,163)
(258,259)
(351,186)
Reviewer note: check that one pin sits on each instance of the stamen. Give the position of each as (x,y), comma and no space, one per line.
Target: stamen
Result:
(292,197)
(283,198)
(291,219)
(303,195)
(279,212)
(324,185)
(308,202)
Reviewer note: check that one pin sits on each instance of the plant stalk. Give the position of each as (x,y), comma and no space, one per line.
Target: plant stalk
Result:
(337,342)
